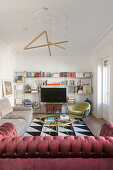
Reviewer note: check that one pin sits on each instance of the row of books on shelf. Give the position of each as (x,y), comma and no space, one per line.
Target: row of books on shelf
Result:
(68,74)
(53,74)
(49,74)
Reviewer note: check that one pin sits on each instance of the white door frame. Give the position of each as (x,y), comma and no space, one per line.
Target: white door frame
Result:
(106,89)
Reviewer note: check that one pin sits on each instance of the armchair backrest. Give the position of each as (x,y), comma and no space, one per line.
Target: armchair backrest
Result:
(107,129)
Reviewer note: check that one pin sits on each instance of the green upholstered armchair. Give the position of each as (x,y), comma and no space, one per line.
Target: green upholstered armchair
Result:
(79,110)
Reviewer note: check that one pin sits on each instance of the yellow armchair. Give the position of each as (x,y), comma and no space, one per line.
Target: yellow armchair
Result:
(79,110)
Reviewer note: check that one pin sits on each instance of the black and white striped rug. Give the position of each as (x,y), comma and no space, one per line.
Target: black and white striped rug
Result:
(36,128)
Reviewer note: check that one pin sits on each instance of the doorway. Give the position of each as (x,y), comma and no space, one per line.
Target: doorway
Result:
(106,88)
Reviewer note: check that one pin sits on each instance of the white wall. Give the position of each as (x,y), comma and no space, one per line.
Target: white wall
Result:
(7,64)
(54,63)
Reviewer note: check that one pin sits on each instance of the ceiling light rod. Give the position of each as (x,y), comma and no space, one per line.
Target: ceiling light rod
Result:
(48,43)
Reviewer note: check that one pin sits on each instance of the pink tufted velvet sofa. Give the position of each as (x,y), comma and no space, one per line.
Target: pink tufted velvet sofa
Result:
(56,153)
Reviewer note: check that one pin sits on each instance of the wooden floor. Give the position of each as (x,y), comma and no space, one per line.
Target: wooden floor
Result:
(92,122)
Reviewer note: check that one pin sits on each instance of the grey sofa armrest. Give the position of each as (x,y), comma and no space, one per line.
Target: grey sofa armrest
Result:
(22,109)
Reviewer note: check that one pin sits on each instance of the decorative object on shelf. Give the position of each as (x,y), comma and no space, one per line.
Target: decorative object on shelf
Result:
(7,88)
(48,43)
(71,83)
(79,75)
(19,79)
(36,74)
(34,88)
(87,75)
(32,74)
(55,84)
(27,89)
(25,74)
(79,87)
(55,74)
(63,83)
(28,74)
(44,83)
(88,89)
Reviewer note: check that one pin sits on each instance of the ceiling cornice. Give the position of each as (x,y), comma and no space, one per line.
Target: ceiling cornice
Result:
(105,39)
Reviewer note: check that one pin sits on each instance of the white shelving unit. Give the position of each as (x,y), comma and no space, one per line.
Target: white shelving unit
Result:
(71,89)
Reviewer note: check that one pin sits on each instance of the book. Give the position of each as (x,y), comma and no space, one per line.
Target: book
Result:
(64,117)
(71,101)
(71,98)
(51,118)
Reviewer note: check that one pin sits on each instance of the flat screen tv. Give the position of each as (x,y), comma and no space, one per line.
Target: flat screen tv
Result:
(53,95)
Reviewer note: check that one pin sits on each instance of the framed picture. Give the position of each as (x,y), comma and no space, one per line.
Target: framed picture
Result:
(7,88)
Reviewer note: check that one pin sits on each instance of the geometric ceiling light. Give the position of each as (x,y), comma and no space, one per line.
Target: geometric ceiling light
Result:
(48,43)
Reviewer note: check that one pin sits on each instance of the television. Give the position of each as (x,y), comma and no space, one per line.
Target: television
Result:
(53,95)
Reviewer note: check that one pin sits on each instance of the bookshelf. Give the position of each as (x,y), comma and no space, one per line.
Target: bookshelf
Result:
(72,81)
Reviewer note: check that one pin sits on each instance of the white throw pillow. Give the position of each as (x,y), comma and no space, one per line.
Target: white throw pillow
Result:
(5,107)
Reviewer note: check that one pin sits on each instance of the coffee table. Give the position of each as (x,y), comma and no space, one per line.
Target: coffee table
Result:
(57,122)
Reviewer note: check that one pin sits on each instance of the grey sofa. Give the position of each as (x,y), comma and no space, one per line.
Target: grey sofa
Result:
(19,116)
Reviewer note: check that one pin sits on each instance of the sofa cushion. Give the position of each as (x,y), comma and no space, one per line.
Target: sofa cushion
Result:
(20,108)
(26,115)
(20,124)
(5,107)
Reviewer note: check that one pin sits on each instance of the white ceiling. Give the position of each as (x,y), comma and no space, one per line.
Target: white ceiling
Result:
(81,22)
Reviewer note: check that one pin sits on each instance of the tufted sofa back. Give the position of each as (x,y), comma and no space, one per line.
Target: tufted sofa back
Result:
(107,129)
(13,146)
(56,147)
